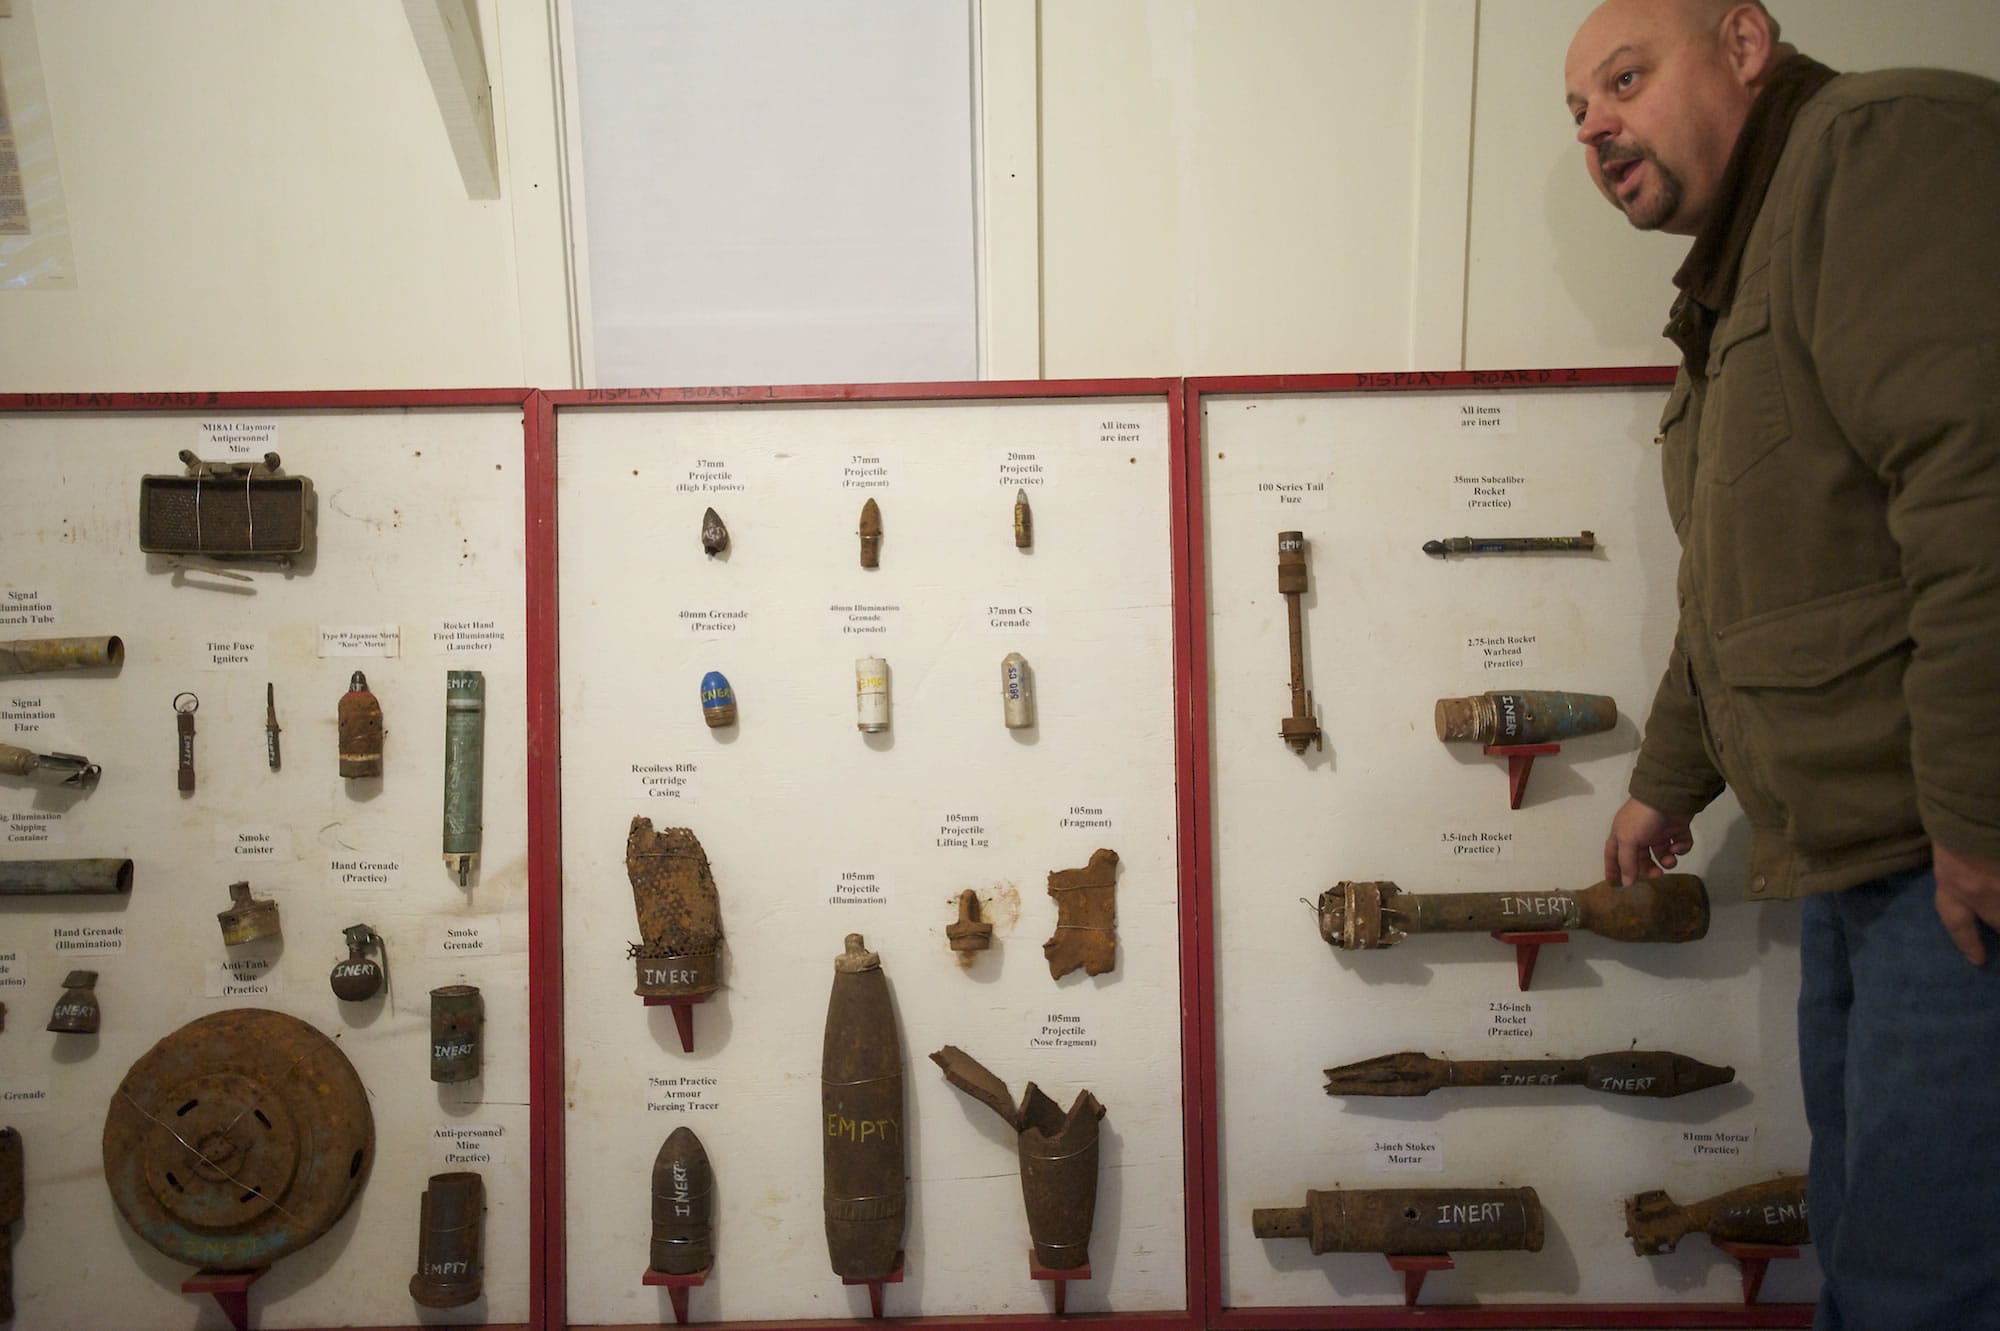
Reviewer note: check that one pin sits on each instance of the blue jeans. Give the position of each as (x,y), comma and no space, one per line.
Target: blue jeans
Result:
(1899,1052)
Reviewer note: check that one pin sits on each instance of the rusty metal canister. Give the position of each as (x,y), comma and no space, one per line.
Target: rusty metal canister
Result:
(450,1224)
(683,1188)
(359,978)
(1017,692)
(1409,1221)
(34,656)
(861,1103)
(246,918)
(360,727)
(457,1013)
(55,878)
(871,694)
(77,1012)
(1523,716)
(718,700)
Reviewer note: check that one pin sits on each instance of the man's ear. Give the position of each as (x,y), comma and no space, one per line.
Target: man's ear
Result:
(1749,44)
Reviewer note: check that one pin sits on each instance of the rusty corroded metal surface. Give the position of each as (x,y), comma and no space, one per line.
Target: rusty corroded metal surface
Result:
(246,918)
(13,1205)
(1412,1221)
(1773,1211)
(871,534)
(714,533)
(1646,1072)
(77,1011)
(1058,1154)
(185,706)
(1086,917)
(451,1223)
(1510,545)
(861,1115)
(1301,727)
(359,718)
(35,656)
(274,754)
(1524,716)
(55,878)
(1672,908)
(227,510)
(458,1018)
(72,770)
(1024,522)
(239,1138)
(683,1187)
(969,933)
(679,952)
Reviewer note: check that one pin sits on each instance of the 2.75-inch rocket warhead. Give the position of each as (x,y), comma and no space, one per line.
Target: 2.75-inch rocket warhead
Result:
(1408,1221)
(861,1103)
(1672,908)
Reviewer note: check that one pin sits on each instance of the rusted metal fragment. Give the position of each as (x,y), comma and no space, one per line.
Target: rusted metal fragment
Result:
(13,1207)
(1646,1072)
(861,1104)
(72,770)
(683,1187)
(246,918)
(239,1138)
(458,1016)
(56,878)
(360,729)
(35,656)
(1672,908)
(1086,917)
(714,534)
(185,706)
(1523,716)
(1302,726)
(1058,1154)
(969,933)
(232,509)
(1773,1211)
(871,534)
(77,1012)
(679,952)
(1409,1221)
(451,1224)
(1024,522)
(1509,545)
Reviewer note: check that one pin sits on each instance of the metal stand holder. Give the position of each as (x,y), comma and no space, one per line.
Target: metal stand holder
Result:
(683,1016)
(677,1288)
(1520,761)
(1527,948)
(231,1290)
(1755,1258)
(1058,1280)
(895,1277)
(1414,1268)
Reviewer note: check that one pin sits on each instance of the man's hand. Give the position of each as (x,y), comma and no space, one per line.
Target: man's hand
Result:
(1968,891)
(1644,841)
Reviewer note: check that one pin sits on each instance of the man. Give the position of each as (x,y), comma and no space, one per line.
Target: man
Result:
(1831,456)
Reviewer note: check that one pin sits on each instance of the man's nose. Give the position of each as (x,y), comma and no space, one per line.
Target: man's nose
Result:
(1597,125)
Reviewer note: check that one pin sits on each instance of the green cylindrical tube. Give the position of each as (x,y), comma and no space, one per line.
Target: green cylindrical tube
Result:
(55,878)
(464,766)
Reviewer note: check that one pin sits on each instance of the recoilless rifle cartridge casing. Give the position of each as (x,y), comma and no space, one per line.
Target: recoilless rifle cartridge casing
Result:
(464,768)
(1409,1221)
(679,952)
(1773,1211)
(451,1222)
(1672,908)
(1523,716)
(1645,1072)
(861,1104)
(35,656)
(683,1198)
(360,730)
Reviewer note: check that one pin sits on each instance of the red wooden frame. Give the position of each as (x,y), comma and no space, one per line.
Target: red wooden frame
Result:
(1197,809)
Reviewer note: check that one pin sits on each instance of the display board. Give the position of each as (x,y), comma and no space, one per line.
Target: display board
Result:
(815,827)
(1368,469)
(406,564)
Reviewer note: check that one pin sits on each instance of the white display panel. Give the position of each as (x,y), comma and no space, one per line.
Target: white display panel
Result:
(1368,478)
(420,530)
(792,797)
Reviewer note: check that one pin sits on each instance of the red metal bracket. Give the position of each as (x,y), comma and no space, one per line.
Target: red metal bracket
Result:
(1414,1268)
(1059,1280)
(677,1287)
(1520,761)
(1527,947)
(1755,1259)
(895,1277)
(231,1290)
(683,1015)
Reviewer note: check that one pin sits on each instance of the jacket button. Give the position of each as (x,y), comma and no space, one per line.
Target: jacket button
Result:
(1758,883)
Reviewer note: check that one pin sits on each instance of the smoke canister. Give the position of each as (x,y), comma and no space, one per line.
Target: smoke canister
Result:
(682,1185)
(718,700)
(861,1103)
(871,694)
(457,1013)
(1017,692)
(450,1223)
(1524,716)
(76,1012)
(464,767)
(360,729)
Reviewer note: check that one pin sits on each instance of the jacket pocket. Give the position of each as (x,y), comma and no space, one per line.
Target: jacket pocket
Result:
(1816,697)
(1677,453)
(1744,417)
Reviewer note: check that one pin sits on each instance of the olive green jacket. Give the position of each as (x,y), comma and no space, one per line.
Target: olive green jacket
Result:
(1832,469)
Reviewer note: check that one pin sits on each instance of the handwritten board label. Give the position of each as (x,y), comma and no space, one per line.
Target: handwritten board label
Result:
(1022,469)
(1475,845)
(29,716)
(724,622)
(1487,491)
(258,843)
(958,830)
(1053,1028)
(1405,1153)
(24,1093)
(383,640)
(86,940)
(860,619)
(680,1095)
(467,636)
(27,607)
(1293,494)
(467,1145)
(463,936)
(1515,1020)
(865,471)
(32,827)
(1487,653)
(1693,1144)
(222,439)
(364,871)
(243,977)
(229,651)
(710,476)
(1088,815)
(667,781)
(1482,417)
(857,887)
(1006,615)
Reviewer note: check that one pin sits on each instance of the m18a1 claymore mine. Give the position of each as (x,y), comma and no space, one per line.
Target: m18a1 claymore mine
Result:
(239,1138)
(679,952)
(1773,1211)
(1058,1153)
(1411,1221)
(861,1119)
(1645,1072)
(227,510)
(1672,908)
(1302,726)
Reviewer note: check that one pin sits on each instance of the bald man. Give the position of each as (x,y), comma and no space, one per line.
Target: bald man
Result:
(1831,457)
